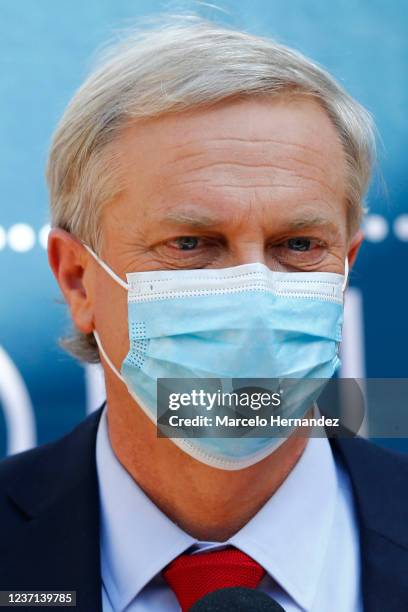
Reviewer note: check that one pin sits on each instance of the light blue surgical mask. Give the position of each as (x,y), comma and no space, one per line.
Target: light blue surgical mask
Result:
(241,322)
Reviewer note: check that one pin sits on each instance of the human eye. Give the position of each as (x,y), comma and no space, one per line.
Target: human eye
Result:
(298,252)
(190,251)
(185,243)
(300,245)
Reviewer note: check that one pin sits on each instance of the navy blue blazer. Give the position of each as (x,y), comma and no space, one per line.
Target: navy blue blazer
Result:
(49,519)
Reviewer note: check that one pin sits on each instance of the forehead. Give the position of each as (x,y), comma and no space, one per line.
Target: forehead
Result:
(266,151)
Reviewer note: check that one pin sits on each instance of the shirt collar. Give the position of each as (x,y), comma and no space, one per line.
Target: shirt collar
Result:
(288,536)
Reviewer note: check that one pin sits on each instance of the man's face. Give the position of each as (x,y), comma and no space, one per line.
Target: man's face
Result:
(257,180)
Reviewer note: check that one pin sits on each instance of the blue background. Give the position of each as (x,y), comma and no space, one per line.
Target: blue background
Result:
(46,49)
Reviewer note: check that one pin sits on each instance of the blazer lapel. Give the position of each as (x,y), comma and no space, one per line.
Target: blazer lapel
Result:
(379,480)
(57,541)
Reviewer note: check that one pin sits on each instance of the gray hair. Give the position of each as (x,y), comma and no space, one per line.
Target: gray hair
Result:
(182,63)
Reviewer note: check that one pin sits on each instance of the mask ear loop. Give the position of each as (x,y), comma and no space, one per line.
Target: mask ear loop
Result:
(95,333)
(106,358)
(346,275)
(107,269)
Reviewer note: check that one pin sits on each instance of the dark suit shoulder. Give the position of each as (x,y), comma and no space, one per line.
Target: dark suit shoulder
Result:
(380,483)
(41,473)
(367,454)
(49,518)
(379,479)
(14,466)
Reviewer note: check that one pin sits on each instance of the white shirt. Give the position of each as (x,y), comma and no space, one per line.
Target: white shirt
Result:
(305,537)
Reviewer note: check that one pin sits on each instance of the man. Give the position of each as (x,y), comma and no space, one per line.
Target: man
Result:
(197,148)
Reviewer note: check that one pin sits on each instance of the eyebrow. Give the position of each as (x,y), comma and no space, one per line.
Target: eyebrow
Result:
(312,220)
(198,220)
(191,218)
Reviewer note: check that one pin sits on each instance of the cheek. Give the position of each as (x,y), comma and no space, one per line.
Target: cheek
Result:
(111,318)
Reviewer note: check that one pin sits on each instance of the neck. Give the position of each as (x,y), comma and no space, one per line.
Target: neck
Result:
(208,503)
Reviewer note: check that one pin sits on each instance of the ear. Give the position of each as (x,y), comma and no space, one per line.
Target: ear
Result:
(354,247)
(69,262)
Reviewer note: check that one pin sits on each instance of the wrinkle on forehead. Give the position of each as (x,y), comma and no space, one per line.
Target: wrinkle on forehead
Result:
(247,141)
(278,172)
(247,145)
(246,177)
(259,162)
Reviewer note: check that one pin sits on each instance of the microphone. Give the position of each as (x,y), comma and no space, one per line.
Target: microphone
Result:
(239,599)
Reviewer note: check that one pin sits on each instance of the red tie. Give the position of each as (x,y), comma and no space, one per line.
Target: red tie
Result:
(193,576)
